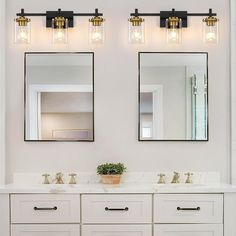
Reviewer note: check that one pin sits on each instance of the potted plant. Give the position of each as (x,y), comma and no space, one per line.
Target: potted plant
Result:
(111,173)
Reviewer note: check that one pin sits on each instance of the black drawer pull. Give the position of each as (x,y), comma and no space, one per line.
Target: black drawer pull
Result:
(45,208)
(116,209)
(188,209)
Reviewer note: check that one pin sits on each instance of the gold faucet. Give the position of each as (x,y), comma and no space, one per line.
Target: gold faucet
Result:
(72,178)
(46,180)
(59,178)
(189,180)
(161,179)
(176,177)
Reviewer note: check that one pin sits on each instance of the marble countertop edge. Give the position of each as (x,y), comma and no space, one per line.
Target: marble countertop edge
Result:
(148,188)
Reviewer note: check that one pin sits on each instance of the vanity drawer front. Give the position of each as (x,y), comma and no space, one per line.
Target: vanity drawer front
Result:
(188,208)
(117,208)
(45,208)
(188,230)
(115,230)
(45,230)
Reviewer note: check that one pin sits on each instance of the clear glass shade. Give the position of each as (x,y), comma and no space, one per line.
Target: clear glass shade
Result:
(22,33)
(136,33)
(173,33)
(210,33)
(96,33)
(60,33)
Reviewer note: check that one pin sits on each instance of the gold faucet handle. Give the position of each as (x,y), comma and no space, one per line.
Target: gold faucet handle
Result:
(72,178)
(46,180)
(189,180)
(161,179)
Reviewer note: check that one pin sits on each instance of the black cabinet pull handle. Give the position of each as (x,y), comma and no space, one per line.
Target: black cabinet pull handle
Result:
(116,209)
(188,209)
(45,208)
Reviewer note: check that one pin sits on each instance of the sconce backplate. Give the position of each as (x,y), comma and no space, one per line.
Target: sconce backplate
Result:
(66,14)
(180,14)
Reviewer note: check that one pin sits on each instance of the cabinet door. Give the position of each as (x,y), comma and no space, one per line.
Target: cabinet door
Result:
(117,230)
(188,208)
(117,209)
(45,230)
(188,230)
(45,208)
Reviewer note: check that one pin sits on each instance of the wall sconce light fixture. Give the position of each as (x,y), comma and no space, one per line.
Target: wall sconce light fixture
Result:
(174,30)
(136,29)
(59,21)
(173,21)
(210,29)
(22,30)
(59,30)
(96,30)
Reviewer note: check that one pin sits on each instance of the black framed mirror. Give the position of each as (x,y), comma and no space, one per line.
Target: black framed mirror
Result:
(59,96)
(173,96)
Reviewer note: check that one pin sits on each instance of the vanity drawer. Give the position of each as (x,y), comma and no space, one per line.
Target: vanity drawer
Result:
(188,230)
(45,230)
(45,208)
(117,208)
(188,208)
(115,230)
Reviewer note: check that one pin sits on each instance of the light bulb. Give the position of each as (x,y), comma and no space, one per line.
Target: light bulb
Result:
(59,35)
(96,35)
(210,37)
(173,35)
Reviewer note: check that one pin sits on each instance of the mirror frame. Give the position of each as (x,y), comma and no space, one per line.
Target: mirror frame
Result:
(139,98)
(25,72)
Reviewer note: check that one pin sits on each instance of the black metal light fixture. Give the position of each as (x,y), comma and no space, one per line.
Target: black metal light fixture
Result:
(59,21)
(174,21)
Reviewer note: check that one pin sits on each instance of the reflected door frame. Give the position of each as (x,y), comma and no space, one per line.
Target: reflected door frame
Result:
(34,104)
(157,126)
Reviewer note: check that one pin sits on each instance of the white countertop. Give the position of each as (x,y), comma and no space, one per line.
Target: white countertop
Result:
(122,188)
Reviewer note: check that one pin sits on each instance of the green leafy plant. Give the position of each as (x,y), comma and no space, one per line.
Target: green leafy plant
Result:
(111,169)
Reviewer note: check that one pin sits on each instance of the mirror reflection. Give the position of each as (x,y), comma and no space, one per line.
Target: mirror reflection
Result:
(173,96)
(59,97)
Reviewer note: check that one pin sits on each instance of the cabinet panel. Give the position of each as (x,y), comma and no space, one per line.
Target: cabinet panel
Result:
(45,230)
(188,208)
(117,230)
(45,208)
(188,230)
(117,208)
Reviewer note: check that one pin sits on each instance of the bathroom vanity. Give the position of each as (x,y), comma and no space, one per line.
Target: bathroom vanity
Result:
(125,210)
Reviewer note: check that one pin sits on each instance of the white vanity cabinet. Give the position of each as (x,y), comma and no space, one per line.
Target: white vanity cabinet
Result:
(113,214)
(188,214)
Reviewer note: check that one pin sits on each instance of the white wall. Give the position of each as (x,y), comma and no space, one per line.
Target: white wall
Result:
(233,90)
(2,92)
(116,91)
